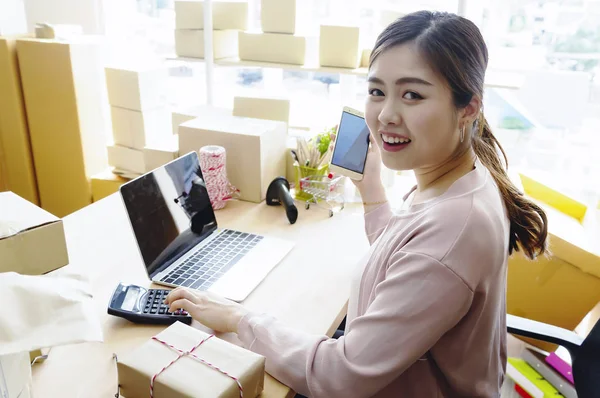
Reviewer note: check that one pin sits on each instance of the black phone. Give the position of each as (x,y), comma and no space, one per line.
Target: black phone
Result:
(141,305)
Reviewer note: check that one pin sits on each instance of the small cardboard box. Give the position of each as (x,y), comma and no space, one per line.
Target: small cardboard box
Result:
(126,159)
(272,47)
(15,376)
(17,159)
(190,43)
(255,149)
(339,46)
(262,108)
(278,16)
(226,14)
(183,115)
(137,88)
(32,241)
(138,129)
(161,153)
(105,184)
(187,376)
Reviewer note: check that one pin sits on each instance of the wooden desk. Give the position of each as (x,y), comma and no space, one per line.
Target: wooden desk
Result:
(309,289)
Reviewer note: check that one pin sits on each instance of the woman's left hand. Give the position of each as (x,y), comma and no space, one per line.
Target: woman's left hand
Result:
(211,310)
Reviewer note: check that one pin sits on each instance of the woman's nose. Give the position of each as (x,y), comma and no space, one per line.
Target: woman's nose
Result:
(389,114)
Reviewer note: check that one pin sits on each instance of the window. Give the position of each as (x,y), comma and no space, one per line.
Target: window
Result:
(548,125)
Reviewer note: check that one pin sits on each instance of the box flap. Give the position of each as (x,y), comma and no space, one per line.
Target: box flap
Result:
(18,215)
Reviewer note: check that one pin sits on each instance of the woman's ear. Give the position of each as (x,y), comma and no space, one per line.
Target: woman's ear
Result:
(470,112)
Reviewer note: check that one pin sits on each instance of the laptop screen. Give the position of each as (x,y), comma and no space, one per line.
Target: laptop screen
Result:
(169,210)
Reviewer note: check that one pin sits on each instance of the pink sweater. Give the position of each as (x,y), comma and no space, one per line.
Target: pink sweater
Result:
(427,316)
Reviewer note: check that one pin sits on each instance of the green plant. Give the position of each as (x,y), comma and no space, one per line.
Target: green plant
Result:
(323,140)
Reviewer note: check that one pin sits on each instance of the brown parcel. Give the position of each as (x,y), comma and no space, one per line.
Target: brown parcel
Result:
(188,377)
(32,241)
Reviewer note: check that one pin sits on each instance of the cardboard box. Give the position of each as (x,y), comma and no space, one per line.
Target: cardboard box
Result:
(126,159)
(65,94)
(562,288)
(365,58)
(188,377)
(339,46)
(255,149)
(262,108)
(137,88)
(137,129)
(161,153)
(272,47)
(183,115)
(16,160)
(190,43)
(226,14)
(105,184)
(32,241)
(15,376)
(278,16)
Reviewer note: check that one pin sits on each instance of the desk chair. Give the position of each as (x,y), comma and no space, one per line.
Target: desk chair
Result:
(585,353)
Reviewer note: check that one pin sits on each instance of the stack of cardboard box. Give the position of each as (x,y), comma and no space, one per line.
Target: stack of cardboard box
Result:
(228,16)
(140,115)
(65,96)
(278,43)
(17,172)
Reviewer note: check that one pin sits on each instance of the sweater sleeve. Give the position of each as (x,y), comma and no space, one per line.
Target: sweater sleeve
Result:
(417,303)
(376,220)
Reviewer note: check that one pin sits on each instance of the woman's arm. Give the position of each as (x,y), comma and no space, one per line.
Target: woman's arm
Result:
(377,209)
(399,327)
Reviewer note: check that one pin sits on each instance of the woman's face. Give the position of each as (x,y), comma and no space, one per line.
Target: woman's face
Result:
(410,112)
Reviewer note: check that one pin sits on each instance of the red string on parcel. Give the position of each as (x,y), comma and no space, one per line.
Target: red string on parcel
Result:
(189,353)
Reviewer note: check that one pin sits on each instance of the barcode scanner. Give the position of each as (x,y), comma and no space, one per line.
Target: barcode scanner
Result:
(278,193)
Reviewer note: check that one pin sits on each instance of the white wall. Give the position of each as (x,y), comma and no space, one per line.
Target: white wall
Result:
(12,17)
(87,13)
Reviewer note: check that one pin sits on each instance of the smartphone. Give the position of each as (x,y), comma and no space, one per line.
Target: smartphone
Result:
(351,145)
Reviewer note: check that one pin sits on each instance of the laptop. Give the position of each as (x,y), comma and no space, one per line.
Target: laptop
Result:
(180,242)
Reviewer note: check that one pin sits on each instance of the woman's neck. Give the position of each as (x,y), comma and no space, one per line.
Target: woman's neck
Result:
(434,181)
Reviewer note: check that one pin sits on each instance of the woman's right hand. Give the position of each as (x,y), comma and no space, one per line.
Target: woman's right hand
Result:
(372,174)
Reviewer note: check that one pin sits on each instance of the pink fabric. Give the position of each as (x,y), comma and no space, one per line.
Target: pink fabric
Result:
(430,307)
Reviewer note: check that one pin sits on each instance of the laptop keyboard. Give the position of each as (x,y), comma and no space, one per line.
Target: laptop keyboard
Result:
(213,260)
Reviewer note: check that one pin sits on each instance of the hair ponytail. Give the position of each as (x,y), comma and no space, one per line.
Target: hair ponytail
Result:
(528,222)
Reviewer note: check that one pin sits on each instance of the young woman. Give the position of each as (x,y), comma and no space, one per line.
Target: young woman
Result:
(427,311)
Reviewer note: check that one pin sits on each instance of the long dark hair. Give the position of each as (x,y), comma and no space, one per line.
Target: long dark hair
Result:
(455,49)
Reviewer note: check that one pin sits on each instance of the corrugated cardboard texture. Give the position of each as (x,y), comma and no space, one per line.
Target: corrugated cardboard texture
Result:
(190,43)
(105,184)
(225,15)
(262,108)
(254,148)
(272,47)
(188,377)
(339,46)
(17,172)
(38,246)
(278,16)
(64,89)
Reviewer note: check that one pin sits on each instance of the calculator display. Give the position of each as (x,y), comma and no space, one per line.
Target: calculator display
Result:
(130,299)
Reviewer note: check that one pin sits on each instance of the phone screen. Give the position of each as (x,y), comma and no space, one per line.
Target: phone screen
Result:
(351,143)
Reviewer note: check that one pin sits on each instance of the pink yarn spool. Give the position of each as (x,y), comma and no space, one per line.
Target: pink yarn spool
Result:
(213,165)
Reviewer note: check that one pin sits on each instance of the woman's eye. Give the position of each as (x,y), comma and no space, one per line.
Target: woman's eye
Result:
(411,95)
(375,92)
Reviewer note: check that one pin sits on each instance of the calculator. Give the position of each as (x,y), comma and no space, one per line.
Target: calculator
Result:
(141,305)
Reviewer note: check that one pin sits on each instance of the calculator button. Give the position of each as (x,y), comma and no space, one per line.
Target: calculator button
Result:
(161,311)
(153,310)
